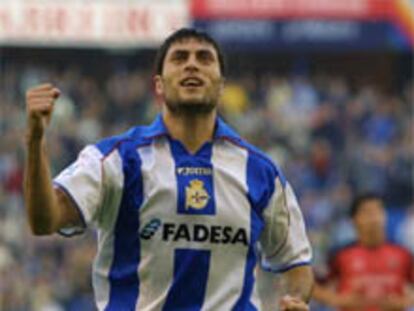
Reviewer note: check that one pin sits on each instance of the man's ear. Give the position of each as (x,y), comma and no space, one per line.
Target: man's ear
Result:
(158,86)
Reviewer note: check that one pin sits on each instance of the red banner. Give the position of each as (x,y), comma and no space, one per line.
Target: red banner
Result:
(285,9)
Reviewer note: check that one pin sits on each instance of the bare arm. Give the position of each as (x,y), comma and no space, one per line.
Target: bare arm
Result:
(324,294)
(328,296)
(393,302)
(298,282)
(296,286)
(48,209)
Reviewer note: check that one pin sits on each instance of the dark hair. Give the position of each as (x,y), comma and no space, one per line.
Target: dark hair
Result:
(360,199)
(186,33)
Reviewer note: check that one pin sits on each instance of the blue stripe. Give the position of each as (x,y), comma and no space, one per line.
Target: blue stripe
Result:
(244,303)
(286,268)
(123,276)
(188,289)
(108,144)
(260,183)
(194,189)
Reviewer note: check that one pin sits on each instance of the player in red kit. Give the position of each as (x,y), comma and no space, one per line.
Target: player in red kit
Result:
(370,274)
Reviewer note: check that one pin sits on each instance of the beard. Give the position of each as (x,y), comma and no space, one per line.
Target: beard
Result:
(191,107)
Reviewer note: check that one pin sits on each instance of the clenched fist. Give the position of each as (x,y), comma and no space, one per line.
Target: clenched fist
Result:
(40,102)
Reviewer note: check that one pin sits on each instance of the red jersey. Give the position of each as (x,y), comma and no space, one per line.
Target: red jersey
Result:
(372,272)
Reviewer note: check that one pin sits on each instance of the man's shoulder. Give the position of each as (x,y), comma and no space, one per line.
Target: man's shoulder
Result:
(132,138)
(397,248)
(258,159)
(256,156)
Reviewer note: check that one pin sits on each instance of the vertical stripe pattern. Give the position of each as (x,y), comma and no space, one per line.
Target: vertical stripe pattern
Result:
(233,209)
(191,269)
(258,195)
(195,188)
(160,193)
(191,266)
(244,303)
(123,278)
(113,179)
(178,231)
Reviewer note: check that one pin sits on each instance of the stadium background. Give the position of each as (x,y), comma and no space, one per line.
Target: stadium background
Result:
(325,87)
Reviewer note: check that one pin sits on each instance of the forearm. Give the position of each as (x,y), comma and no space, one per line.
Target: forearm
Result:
(40,197)
(298,282)
(324,295)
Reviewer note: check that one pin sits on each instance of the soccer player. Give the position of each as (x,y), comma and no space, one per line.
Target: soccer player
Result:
(184,208)
(371,274)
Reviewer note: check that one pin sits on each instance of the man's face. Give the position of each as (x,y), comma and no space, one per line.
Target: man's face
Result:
(370,220)
(191,79)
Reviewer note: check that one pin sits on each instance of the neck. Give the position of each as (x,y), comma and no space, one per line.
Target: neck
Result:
(192,130)
(371,240)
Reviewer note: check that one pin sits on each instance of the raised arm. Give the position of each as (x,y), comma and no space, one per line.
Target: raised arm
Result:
(48,209)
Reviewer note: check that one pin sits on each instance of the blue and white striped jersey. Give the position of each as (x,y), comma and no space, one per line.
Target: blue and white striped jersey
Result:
(180,231)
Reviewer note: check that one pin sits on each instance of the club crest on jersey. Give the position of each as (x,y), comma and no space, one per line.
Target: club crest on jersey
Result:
(196,196)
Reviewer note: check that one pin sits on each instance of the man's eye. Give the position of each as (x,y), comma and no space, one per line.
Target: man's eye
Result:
(205,57)
(177,57)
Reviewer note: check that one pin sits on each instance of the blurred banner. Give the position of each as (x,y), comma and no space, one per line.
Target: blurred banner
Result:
(141,23)
(319,35)
(245,24)
(321,25)
(276,9)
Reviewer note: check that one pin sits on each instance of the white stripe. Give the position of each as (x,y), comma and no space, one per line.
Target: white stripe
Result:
(113,184)
(160,198)
(82,180)
(232,209)
(255,300)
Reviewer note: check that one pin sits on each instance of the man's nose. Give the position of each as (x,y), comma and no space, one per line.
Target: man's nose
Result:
(192,63)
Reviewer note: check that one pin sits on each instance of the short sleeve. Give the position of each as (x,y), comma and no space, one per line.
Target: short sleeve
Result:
(82,182)
(283,244)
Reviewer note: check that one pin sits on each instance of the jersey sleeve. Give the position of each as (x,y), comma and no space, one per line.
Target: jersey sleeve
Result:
(82,182)
(283,244)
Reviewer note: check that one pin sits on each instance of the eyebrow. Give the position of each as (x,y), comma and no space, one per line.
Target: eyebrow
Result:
(183,51)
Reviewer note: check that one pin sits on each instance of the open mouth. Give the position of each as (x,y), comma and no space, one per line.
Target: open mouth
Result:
(192,82)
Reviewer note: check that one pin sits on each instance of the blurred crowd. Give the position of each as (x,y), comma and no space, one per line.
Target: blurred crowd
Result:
(331,139)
